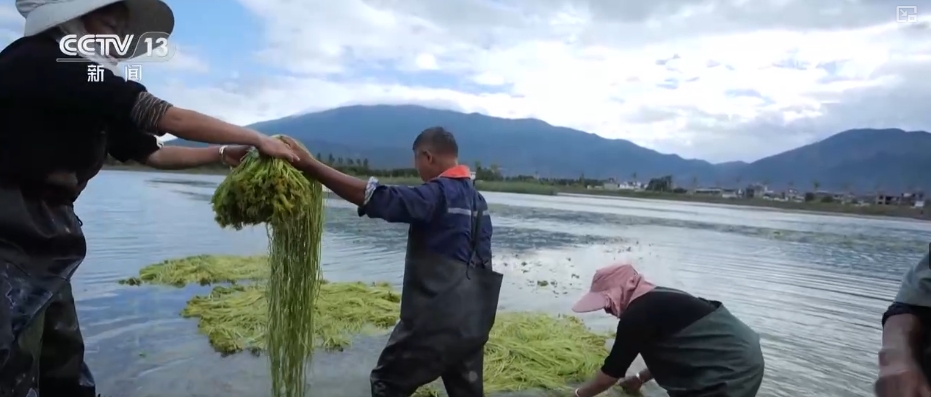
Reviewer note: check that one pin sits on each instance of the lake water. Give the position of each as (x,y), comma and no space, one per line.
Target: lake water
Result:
(813,286)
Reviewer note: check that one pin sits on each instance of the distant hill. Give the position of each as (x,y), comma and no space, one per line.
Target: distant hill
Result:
(860,159)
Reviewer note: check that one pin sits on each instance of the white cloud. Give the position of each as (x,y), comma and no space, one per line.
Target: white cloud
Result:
(185,60)
(426,62)
(714,79)
(244,101)
(750,80)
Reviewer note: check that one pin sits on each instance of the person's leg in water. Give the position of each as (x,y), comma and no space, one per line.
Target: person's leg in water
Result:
(20,336)
(41,244)
(464,379)
(404,367)
(63,371)
(400,373)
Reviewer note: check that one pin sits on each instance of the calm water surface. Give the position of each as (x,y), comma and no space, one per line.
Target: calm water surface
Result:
(813,286)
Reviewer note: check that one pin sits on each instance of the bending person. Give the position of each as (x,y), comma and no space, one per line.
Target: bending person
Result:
(692,347)
(450,293)
(904,359)
(56,129)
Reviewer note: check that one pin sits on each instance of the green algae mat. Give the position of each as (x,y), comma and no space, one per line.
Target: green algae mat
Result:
(525,352)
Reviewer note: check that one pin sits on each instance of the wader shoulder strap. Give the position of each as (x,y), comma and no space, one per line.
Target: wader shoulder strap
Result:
(476,223)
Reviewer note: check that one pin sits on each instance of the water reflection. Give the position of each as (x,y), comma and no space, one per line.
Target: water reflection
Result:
(813,286)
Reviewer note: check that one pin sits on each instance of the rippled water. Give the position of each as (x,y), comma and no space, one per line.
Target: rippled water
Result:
(813,286)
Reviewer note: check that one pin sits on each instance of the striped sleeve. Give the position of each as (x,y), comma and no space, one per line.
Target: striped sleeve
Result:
(147,111)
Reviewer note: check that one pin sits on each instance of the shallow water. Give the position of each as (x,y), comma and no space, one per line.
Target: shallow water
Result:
(813,286)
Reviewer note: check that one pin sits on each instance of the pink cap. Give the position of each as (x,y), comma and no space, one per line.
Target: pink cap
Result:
(606,278)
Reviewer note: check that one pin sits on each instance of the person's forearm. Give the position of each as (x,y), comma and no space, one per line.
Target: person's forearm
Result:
(645,375)
(176,158)
(194,126)
(350,188)
(901,338)
(596,386)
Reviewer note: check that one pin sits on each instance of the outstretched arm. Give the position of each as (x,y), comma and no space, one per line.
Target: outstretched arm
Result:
(392,203)
(632,334)
(116,101)
(596,385)
(145,148)
(350,188)
(904,324)
(645,375)
(179,158)
(633,383)
(900,373)
(902,333)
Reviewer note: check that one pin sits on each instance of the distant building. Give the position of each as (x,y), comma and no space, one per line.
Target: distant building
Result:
(661,184)
(715,192)
(794,195)
(756,190)
(913,198)
(828,196)
(610,185)
(905,199)
(707,192)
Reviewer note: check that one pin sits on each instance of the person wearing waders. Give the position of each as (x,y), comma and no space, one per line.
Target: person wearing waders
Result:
(450,292)
(57,127)
(692,347)
(905,355)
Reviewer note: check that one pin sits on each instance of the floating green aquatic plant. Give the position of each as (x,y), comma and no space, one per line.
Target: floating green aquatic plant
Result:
(526,352)
(236,318)
(269,191)
(263,190)
(203,270)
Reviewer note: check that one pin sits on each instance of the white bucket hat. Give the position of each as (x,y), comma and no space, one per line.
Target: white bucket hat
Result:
(144,15)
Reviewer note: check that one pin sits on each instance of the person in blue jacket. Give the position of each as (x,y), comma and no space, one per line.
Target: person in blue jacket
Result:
(450,291)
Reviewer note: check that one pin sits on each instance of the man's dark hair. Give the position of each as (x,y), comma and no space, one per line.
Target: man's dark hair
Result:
(437,140)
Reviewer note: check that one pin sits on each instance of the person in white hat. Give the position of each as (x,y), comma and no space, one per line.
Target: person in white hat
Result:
(57,127)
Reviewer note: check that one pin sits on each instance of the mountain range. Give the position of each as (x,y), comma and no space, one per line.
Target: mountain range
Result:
(861,159)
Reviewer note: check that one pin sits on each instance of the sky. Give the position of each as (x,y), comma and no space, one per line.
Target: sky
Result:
(711,79)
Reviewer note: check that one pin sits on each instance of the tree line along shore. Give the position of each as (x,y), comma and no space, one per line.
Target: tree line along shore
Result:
(491,179)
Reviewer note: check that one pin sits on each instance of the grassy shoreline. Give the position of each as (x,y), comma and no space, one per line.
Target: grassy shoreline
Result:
(550,190)
(812,207)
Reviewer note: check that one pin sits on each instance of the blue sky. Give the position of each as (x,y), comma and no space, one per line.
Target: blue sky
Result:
(720,80)
(228,37)
(221,32)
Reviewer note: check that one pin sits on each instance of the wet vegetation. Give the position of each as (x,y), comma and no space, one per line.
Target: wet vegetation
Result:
(269,191)
(526,351)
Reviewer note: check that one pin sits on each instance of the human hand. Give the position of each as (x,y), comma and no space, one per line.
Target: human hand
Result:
(233,155)
(274,147)
(630,384)
(303,155)
(902,378)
